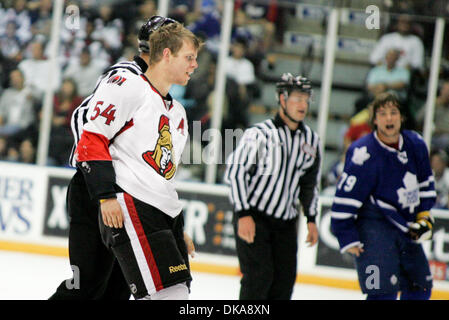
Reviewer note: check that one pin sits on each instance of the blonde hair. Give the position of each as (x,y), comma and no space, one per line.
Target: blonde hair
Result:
(170,36)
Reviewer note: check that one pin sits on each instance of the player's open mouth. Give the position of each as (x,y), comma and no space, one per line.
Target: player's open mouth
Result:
(389,126)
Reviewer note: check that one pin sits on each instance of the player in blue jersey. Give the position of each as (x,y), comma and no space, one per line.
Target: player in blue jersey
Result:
(381,209)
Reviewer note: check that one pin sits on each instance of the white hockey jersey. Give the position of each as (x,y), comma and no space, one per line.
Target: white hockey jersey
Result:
(141,132)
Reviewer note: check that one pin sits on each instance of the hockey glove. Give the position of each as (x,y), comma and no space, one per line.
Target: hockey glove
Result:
(422,229)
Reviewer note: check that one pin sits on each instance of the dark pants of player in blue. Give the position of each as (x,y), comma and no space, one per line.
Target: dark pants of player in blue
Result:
(391,262)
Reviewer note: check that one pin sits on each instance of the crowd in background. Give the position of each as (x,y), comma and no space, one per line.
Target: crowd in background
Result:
(107,32)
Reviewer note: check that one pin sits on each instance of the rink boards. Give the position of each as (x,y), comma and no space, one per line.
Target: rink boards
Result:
(33,218)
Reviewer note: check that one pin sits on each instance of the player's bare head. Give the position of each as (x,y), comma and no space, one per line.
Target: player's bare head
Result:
(159,33)
(382,101)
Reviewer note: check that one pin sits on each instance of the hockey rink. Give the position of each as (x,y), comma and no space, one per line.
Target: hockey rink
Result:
(25,276)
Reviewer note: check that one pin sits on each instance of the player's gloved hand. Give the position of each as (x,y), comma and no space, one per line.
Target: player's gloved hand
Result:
(422,229)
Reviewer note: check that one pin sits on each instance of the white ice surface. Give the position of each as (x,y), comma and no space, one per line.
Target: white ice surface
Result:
(25,276)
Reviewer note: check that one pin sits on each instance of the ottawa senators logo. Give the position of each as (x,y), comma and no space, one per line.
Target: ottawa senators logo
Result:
(160,159)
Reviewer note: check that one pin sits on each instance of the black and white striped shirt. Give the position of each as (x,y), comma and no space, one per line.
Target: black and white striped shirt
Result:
(79,115)
(274,169)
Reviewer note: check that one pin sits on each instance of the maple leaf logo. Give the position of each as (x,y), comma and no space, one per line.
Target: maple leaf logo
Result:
(360,155)
(409,196)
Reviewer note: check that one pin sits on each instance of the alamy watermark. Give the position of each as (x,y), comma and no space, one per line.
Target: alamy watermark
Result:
(74,283)
(72,17)
(373,20)
(373,280)
(258,147)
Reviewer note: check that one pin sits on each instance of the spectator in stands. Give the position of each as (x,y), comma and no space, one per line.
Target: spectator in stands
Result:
(10,51)
(439,163)
(19,148)
(12,151)
(36,72)
(95,46)
(65,101)
(208,22)
(72,40)
(85,72)
(10,44)
(109,31)
(241,29)
(19,14)
(254,36)
(389,76)
(180,13)
(16,106)
(239,69)
(148,8)
(410,46)
(27,151)
(41,18)
(261,18)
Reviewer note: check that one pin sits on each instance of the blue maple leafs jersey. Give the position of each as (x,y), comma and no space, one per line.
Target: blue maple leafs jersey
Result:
(395,183)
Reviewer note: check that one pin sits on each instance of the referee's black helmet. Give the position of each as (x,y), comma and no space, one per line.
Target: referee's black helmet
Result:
(153,24)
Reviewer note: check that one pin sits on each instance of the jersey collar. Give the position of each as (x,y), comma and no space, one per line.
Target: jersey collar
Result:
(383,145)
(168,100)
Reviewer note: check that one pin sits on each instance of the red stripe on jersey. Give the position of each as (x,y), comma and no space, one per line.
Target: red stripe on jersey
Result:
(143,242)
(127,125)
(93,146)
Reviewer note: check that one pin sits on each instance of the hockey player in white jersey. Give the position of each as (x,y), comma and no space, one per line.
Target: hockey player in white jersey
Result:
(133,135)
(98,273)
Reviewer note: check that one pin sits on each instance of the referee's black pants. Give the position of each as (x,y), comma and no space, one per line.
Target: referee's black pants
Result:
(100,276)
(268,265)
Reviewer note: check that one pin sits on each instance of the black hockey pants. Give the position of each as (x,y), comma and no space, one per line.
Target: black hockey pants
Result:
(100,276)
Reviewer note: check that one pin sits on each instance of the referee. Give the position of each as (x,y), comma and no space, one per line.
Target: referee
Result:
(275,167)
